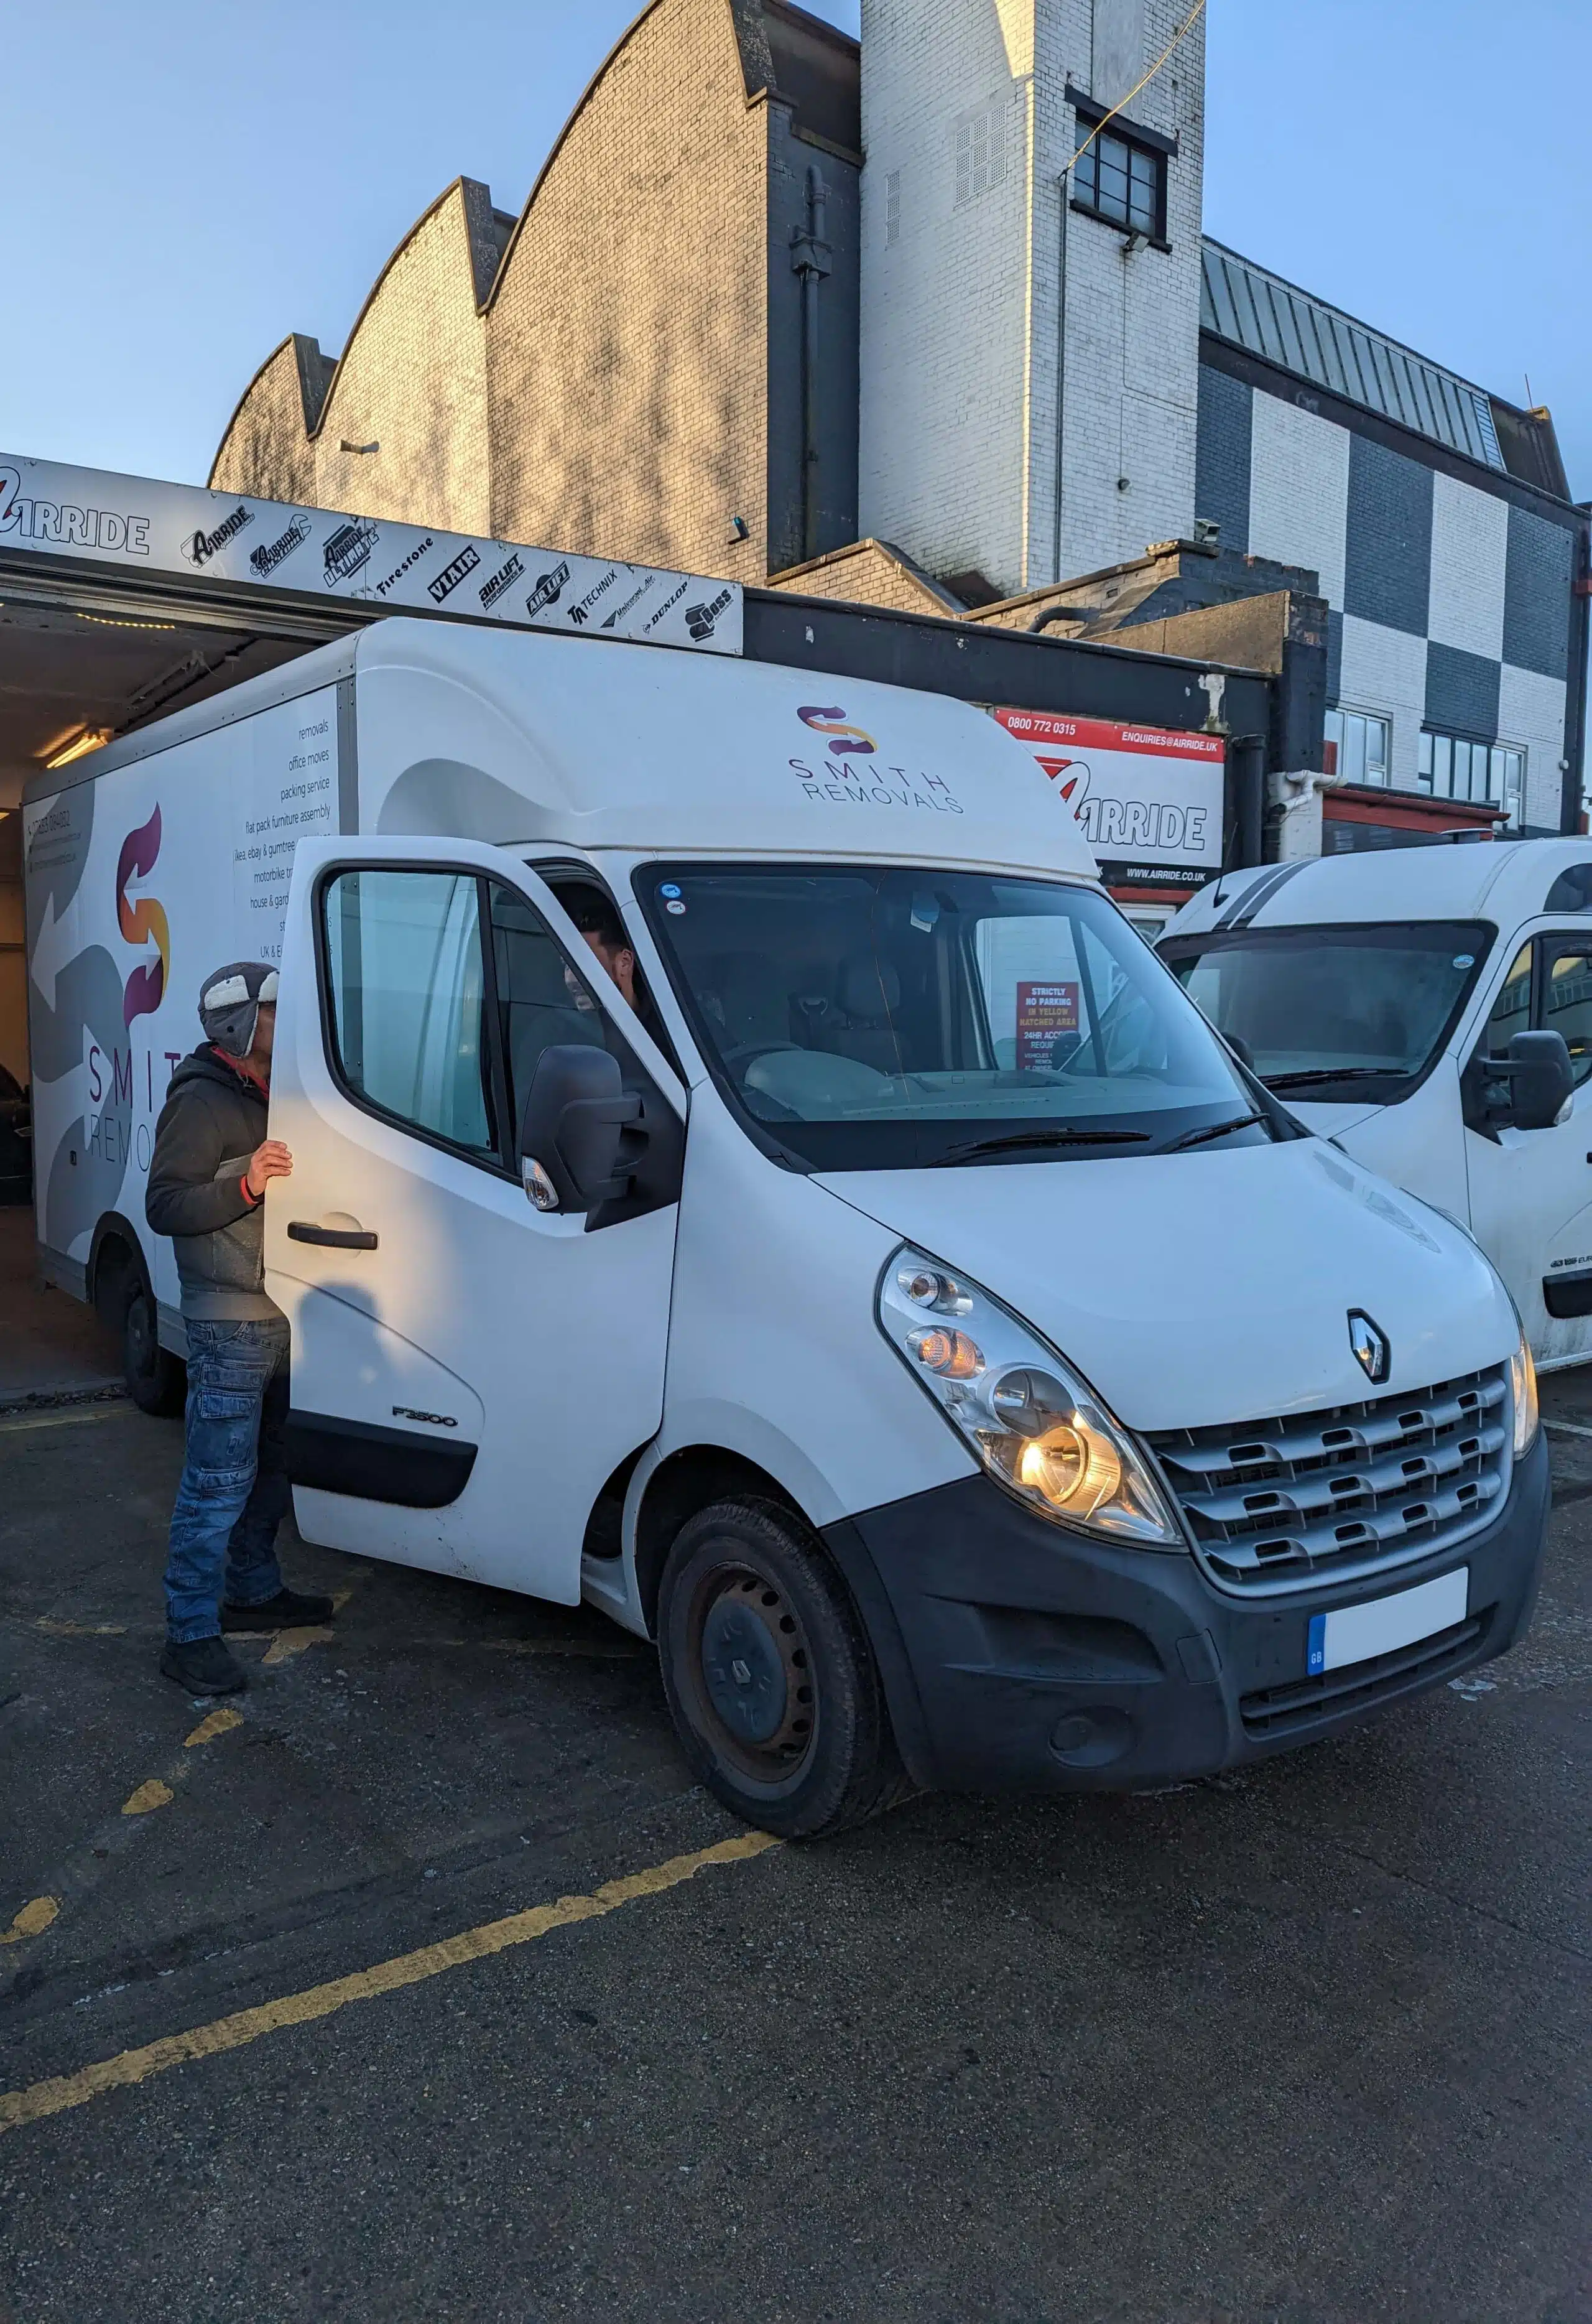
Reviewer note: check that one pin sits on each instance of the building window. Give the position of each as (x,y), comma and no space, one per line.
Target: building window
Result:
(1358,747)
(980,153)
(1485,774)
(892,208)
(1122,182)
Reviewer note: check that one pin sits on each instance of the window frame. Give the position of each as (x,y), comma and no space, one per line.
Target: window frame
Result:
(1382,718)
(1426,765)
(1094,128)
(505,1163)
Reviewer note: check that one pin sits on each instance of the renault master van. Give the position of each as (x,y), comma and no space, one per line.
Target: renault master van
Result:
(1430,1009)
(909,1312)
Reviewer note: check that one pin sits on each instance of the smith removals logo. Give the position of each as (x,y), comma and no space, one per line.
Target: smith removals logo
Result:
(273,553)
(450,577)
(200,547)
(503,579)
(840,781)
(841,738)
(61,526)
(143,921)
(347,551)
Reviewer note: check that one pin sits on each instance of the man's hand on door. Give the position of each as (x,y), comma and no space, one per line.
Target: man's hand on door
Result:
(272,1161)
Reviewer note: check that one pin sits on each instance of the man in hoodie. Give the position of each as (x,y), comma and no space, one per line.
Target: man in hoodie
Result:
(211,1165)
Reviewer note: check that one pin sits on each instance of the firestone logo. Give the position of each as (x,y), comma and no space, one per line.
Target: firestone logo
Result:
(143,921)
(841,738)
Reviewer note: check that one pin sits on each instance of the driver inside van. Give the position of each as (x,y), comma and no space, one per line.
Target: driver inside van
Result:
(600,924)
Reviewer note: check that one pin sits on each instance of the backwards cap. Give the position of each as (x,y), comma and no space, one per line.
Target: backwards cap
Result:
(230,1001)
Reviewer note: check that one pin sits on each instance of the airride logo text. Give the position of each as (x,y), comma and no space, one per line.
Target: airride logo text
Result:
(841,782)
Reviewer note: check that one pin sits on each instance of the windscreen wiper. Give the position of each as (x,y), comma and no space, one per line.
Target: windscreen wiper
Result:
(1330,1074)
(976,1146)
(1213,1129)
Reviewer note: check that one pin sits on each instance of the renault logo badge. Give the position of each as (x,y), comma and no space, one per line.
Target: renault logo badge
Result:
(1369,1342)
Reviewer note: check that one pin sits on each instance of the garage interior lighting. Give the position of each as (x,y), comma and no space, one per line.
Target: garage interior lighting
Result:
(77,745)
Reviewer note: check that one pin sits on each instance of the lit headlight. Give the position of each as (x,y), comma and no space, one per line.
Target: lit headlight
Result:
(1032,1423)
(1522,1380)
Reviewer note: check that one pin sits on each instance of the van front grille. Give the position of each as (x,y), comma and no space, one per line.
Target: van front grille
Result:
(1276,1506)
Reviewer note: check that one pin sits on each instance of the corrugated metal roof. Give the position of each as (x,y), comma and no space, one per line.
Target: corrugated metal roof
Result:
(1242,302)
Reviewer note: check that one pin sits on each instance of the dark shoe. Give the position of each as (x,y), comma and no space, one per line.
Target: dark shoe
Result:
(289,1609)
(203,1666)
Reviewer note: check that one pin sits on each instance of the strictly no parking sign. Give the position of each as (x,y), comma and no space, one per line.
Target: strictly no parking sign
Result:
(1149,799)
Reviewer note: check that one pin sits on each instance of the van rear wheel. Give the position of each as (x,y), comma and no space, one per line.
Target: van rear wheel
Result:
(770,1676)
(157,1381)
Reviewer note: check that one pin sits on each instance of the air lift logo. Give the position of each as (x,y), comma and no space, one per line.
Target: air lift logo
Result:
(347,551)
(503,579)
(65,527)
(549,589)
(840,782)
(200,547)
(143,921)
(273,553)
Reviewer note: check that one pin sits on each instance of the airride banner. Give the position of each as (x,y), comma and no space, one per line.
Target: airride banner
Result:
(135,524)
(1149,799)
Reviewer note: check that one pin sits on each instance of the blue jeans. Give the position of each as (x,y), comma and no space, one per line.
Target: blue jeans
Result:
(234,1490)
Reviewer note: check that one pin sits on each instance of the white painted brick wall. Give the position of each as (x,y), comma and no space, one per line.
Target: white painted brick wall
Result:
(1299,491)
(962,358)
(1469,555)
(1384,672)
(1530,714)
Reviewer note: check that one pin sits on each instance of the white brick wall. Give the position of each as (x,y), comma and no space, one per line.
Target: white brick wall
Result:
(1299,491)
(1530,714)
(962,366)
(1470,554)
(1384,670)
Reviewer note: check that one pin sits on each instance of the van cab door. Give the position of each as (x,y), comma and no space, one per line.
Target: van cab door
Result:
(1531,1190)
(468,1371)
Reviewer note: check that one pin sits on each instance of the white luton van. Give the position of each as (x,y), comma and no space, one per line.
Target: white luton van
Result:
(909,1312)
(1430,1009)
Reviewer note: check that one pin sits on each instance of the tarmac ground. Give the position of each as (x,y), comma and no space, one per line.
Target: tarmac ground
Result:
(429,1986)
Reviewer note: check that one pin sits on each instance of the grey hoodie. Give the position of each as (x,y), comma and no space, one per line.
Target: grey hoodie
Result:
(212,1119)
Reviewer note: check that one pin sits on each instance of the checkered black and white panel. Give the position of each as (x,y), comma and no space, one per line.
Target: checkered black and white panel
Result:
(1450,605)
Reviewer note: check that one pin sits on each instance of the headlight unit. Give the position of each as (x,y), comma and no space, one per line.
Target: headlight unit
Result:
(1034,1423)
(1523,1382)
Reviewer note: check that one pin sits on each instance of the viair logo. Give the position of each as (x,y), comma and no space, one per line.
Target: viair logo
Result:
(200,547)
(549,589)
(450,577)
(273,553)
(348,548)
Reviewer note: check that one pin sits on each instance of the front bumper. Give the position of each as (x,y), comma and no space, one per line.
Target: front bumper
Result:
(1018,1655)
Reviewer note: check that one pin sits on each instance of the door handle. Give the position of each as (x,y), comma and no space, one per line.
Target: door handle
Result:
(338,1238)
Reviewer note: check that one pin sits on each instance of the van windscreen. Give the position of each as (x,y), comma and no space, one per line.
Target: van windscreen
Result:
(863,1016)
(1335,1015)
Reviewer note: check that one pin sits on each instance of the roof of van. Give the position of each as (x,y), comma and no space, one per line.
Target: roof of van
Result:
(1508,882)
(512,737)
(563,741)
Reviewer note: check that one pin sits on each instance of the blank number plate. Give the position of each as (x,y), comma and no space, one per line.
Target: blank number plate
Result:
(1356,1634)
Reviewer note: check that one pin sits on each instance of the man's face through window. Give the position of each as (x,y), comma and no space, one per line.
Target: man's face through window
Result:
(618,961)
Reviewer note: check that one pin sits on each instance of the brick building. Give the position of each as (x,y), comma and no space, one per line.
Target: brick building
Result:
(977,375)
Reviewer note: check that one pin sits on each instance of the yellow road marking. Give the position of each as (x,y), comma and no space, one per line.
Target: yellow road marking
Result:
(219,1722)
(32,1919)
(58,1419)
(54,2096)
(84,1630)
(287,1643)
(152,1795)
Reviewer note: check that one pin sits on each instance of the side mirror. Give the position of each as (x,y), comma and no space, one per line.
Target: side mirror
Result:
(1541,1079)
(571,1129)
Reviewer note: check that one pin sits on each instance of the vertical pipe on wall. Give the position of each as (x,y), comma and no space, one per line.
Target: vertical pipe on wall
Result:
(810,258)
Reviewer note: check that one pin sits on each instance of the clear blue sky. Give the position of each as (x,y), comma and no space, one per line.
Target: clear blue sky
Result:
(184,182)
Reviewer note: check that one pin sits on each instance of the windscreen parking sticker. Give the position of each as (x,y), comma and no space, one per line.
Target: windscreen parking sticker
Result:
(1045,1013)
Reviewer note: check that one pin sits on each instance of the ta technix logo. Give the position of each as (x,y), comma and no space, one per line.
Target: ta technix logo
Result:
(841,737)
(142,921)
(1369,1342)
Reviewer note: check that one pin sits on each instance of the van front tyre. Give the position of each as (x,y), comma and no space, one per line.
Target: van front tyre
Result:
(157,1381)
(771,1680)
